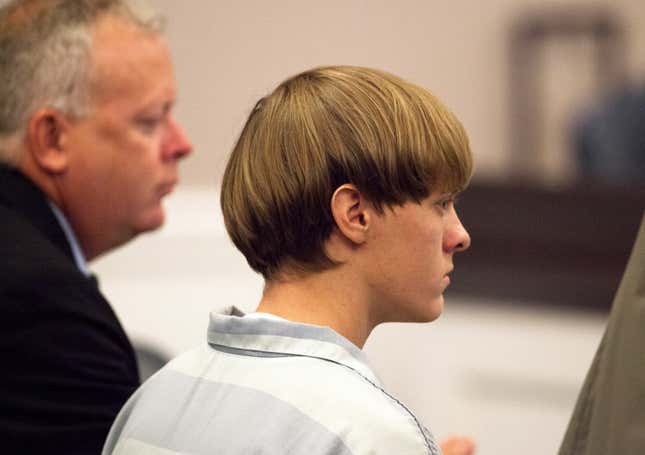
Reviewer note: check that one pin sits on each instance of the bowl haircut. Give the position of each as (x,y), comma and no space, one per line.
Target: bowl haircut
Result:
(323,128)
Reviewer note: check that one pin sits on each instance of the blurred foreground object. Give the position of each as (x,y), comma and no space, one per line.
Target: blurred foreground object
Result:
(610,414)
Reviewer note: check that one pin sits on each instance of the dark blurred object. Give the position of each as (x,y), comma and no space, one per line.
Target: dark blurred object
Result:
(609,416)
(610,141)
(565,247)
(149,359)
(529,35)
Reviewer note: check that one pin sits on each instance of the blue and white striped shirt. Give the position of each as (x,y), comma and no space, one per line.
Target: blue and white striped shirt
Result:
(267,386)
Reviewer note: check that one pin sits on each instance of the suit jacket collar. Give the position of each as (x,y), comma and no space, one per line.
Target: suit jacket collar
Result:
(23,197)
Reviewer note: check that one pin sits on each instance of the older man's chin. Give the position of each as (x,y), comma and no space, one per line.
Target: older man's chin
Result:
(151,220)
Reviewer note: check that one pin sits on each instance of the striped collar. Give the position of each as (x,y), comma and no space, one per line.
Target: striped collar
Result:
(229,328)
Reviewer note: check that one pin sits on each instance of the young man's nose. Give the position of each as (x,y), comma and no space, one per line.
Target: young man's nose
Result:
(457,238)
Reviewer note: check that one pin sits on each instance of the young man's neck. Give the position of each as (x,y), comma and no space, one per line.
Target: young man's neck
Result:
(330,298)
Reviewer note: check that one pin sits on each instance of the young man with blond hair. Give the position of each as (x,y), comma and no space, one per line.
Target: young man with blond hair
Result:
(340,193)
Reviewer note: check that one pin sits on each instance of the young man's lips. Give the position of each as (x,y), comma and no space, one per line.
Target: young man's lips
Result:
(446,277)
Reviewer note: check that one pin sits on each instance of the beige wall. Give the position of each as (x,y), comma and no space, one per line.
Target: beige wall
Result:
(229,53)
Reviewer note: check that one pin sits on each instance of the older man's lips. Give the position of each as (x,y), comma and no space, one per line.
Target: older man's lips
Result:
(167,188)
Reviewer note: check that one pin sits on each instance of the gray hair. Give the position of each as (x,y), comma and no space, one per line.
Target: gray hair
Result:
(46,58)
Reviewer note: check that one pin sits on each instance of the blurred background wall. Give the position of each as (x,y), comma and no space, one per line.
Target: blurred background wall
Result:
(504,367)
(229,53)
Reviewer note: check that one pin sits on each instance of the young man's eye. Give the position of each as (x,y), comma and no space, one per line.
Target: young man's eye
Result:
(447,203)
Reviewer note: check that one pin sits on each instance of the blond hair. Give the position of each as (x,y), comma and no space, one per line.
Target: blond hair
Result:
(318,130)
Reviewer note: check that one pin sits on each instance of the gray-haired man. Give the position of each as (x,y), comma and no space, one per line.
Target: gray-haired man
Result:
(89,148)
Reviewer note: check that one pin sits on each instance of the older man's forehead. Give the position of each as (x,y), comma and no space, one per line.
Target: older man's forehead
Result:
(122,52)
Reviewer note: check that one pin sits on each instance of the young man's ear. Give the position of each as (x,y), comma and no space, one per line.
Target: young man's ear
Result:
(46,136)
(351,212)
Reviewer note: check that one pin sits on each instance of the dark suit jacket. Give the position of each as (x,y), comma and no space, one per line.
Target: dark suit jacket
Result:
(609,417)
(67,365)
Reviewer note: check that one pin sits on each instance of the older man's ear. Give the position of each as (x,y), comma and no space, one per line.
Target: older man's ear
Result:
(45,141)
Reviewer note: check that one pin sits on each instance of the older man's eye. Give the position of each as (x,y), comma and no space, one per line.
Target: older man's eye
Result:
(148,124)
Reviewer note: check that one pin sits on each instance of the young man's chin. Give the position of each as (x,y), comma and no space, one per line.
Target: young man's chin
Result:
(426,311)
(432,309)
